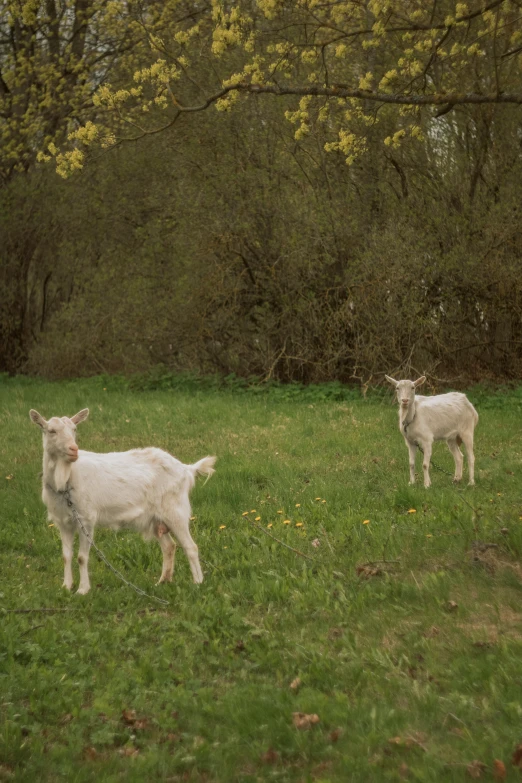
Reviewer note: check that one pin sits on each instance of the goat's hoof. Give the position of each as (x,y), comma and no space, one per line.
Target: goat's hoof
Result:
(457,480)
(82,590)
(67,587)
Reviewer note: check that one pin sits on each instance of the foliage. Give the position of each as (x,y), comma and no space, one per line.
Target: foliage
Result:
(409,664)
(238,241)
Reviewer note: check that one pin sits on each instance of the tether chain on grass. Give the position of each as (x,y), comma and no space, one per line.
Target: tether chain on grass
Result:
(76,517)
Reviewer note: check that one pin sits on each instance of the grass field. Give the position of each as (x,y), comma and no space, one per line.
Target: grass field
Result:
(413,665)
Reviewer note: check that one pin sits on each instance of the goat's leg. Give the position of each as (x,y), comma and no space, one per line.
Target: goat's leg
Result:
(412,449)
(457,456)
(468,443)
(426,448)
(83,560)
(67,536)
(168,548)
(178,524)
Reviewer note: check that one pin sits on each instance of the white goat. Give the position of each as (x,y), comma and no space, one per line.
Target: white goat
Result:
(422,420)
(145,490)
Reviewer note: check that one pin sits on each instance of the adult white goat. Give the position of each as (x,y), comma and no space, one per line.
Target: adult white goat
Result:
(422,420)
(145,490)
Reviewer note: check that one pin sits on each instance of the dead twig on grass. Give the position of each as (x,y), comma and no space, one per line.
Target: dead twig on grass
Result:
(297,552)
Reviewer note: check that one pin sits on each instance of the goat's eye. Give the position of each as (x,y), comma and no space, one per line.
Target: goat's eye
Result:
(51,432)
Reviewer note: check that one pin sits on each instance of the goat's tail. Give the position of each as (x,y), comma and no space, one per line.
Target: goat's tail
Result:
(205,467)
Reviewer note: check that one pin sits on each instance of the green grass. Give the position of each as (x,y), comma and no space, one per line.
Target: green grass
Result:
(406,685)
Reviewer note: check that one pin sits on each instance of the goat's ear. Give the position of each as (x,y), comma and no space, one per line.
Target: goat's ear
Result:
(419,381)
(80,416)
(392,380)
(37,418)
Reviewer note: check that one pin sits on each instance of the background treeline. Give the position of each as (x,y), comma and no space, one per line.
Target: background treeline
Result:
(226,245)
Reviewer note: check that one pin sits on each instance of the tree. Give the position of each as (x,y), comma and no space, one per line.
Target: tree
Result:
(345,61)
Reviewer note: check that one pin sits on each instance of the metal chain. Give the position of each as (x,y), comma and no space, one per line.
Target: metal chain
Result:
(434,464)
(76,517)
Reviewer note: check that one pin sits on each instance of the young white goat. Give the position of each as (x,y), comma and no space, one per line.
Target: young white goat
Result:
(145,490)
(422,420)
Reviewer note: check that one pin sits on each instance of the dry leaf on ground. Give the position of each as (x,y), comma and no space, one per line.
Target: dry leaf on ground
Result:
(475,769)
(304,721)
(270,757)
(499,770)
(516,758)
(296,684)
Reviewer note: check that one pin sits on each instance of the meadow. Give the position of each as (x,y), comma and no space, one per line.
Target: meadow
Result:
(393,613)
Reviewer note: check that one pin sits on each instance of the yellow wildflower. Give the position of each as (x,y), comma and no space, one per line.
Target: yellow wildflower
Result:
(298,505)
(287,522)
(269,524)
(366,522)
(412,511)
(245,513)
(257,519)
(222,527)
(299,524)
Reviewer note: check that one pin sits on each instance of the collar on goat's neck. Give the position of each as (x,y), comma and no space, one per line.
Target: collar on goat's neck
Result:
(406,419)
(56,473)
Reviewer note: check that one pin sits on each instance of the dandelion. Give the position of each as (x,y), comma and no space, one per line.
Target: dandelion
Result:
(298,505)
(257,519)
(9,477)
(366,521)
(299,524)
(254,511)
(499,494)
(245,513)
(286,522)
(51,525)
(323,501)
(222,527)
(269,524)
(429,535)
(192,519)
(412,511)
(280,512)
(104,388)
(225,547)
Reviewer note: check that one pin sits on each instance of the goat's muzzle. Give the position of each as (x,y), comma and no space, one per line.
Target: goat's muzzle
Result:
(72,453)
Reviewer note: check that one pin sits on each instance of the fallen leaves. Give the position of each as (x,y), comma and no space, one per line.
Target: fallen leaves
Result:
(475,769)
(270,757)
(516,758)
(366,571)
(130,718)
(304,721)
(499,770)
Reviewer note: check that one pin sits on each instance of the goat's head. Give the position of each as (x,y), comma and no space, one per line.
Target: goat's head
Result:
(406,389)
(59,434)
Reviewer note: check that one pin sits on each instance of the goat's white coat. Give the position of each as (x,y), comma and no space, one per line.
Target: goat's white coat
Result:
(144,490)
(423,420)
